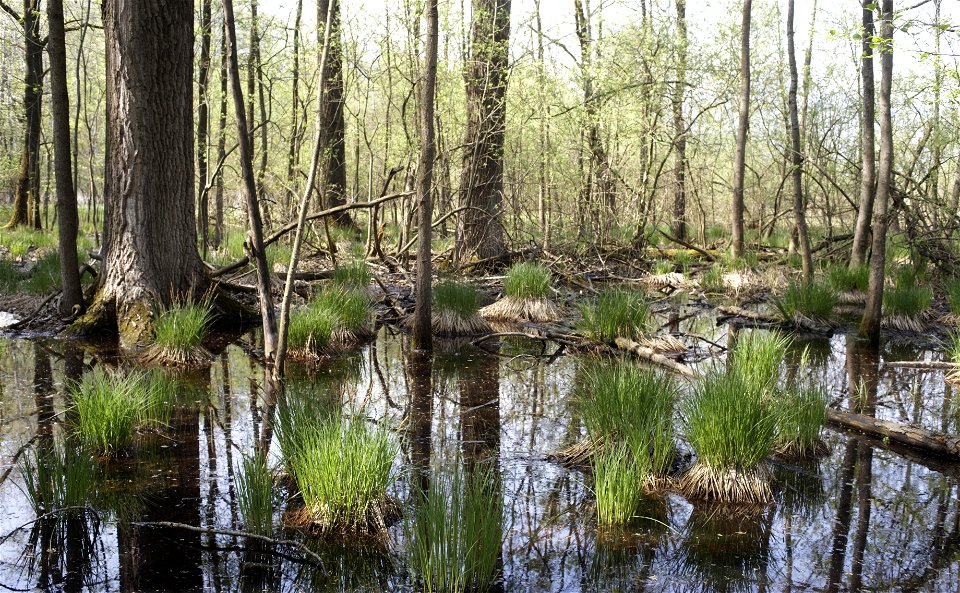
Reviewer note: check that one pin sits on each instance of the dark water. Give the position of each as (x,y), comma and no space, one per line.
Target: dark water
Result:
(862,518)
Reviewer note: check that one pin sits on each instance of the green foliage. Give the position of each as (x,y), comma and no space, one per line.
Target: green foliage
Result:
(617,479)
(455,532)
(255,495)
(310,329)
(527,280)
(729,421)
(717,233)
(616,312)
(801,414)
(183,326)
(748,260)
(662,266)
(907,297)
(623,402)
(354,275)
(808,299)
(334,313)
(59,477)
(845,279)
(953,294)
(757,357)
(459,298)
(711,281)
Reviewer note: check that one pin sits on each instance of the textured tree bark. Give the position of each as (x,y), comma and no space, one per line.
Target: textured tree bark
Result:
(422,338)
(151,238)
(293,155)
(221,142)
(481,185)
(861,234)
(872,313)
(740,152)
(203,123)
(679,128)
(333,117)
(68,221)
(27,190)
(796,158)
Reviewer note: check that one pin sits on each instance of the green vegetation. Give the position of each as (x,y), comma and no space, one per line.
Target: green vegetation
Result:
(58,478)
(455,532)
(711,281)
(527,280)
(310,330)
(662,266)
(907,297)
(757,356)
(813,300)
(336,317)
(842,278)
(616,312)
(110,407)
(179,332)
(456,309)
(255,495)
(801,414)
(618,476)
(354,275)
(953,294)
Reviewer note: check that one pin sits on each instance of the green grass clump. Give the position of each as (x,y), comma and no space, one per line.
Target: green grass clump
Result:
(354,275)
(527,280)
(456,297)
(846,279)
(455,533)
(625,403)
(343,469)
(179,332)
(351,309)
(616,312)
(662,266)
(335,316)
(711,281)
(801,414)
(813,300)
(953,295)
(310,330)
(757,356)
(617,478)
(58,478)
(906,298)
(110,407)
(255,495)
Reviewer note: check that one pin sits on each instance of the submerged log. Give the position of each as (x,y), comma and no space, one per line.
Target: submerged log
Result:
(926,440)
(650,355)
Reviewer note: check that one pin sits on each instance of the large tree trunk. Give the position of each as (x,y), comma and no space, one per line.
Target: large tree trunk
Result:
(481,186)
(203,123)
(739,157)
(861,234)
(27,191)
(68,221)
(422,338)
(333,115)
(870,324)
(796,158)
(151,237)
(679,128)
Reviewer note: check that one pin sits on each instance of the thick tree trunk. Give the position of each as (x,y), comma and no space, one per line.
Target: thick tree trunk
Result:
(151,238)
(422,338)
(27,191)
(861,234)
(796,158)
(68,221)
(739,157)
(333,104)
(870,324)
(679,128)
(203,124)
(481,185)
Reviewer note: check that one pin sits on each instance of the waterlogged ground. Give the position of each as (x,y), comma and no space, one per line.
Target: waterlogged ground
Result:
(863,518)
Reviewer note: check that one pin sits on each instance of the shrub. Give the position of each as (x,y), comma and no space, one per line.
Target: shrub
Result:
(616,312)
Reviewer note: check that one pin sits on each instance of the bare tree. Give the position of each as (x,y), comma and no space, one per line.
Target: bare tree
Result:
(861,234)
(203,123)
(739,157)
(796,157)
(679,128)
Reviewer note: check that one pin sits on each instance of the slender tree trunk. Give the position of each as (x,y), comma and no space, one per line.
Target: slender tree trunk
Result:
(151,236)
(543,198)
(221,141)
(679,127)
(254,241)
(739,158)
(796,158)
(481,185)
(868,179)
(68,221)
(203,124)
(870,324)
(422,338)
(293,156)
(27,192)
(252,51)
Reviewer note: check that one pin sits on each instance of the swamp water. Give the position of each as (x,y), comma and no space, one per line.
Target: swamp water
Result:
(861,518)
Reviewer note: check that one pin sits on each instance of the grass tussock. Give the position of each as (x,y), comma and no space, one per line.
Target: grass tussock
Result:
(526,296)
(455,532)
(616,312)
(711,281)
(801,414)
(952,289)
(906,301)
(803,301)
(354,275)
(179,332)
(618,479)
(342,469)
(844,279)
(757,357)
(337,318)
(58,478)
(255,495)
(110,407)
(456,310)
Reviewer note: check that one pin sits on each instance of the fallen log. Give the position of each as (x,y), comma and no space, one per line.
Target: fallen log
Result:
(799,322)
(650,355)
(923,364)
(926,440)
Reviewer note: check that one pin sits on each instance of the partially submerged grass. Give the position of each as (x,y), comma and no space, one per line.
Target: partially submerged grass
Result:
(731,427)
(618,478)
(456,310)
(527,296)
(801,414)
(342,468)
(310,331)
(335,318)
(454,533)
(255,494)
(807,300)
(757,357)
(58,478)
(711,281)
(616,312)
(110,407)
(906,301)
(843,278)
(179,332)
(952,287)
